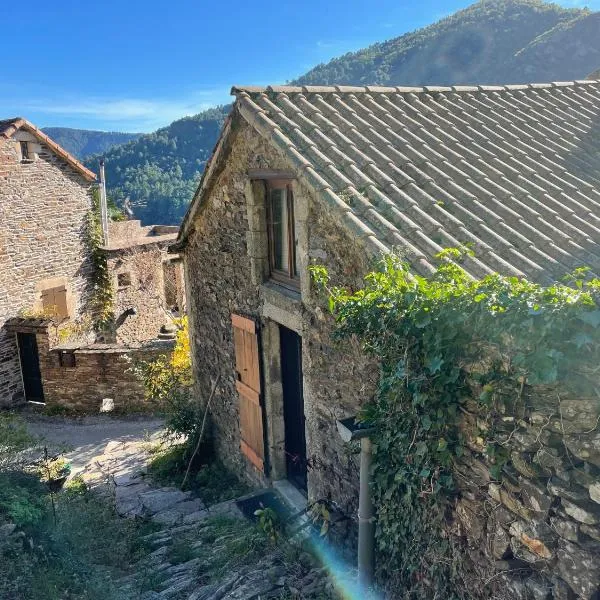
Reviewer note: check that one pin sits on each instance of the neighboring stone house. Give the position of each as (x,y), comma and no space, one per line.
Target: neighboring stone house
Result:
(337,176)
(147,282)
(48,350)
(45,197)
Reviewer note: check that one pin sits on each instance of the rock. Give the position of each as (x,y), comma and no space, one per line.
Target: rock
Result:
(579,414)
(572,492)
(157,500)
(536,536)
(567,530)
(593,532)
(499,543)
(471,520)
(108,405)
(587,513)
(535,496)
(585,446)
(561,591)
(594,491)
(524,465)
(539,588)
(548,458)
(580,569)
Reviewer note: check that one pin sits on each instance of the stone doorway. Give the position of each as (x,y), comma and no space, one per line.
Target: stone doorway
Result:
(30,367)
(293,406)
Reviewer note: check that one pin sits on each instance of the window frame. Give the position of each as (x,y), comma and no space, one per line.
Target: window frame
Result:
(24,149)
(291,277)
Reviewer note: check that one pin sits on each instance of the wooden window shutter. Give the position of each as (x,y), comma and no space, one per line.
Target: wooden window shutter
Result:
(55,301)
(247,365)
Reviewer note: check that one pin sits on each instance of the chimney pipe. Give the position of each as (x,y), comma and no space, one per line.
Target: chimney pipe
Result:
(103,205)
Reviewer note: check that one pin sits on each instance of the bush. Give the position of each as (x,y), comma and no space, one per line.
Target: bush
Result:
(14,439)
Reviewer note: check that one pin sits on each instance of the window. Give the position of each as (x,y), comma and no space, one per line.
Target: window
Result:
(124,279)
(54,302)
(66,358)
(24,151)
(281,233)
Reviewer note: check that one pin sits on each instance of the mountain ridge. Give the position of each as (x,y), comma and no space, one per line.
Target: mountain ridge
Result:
(84,142)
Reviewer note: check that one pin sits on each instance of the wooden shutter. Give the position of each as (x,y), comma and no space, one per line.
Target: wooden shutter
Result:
(55,300)
(247,366)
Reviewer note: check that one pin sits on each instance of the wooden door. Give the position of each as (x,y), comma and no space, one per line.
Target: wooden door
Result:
(247,365)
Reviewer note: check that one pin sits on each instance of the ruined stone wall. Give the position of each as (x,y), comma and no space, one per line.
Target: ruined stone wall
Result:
(219,281)
(98,373)
(43,208)
(138,283)
(533,533)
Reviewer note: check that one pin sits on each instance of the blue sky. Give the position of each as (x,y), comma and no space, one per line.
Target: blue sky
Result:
(133,65)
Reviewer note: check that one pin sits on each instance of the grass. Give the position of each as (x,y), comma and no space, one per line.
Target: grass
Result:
(210,481)
(78,552)
(221,544)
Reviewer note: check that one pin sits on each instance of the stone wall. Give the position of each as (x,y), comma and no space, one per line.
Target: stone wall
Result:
(225,274)
(535,532)
(100,371)
(43,208)
(139,283)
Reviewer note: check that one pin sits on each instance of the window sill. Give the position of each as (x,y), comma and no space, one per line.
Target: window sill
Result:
(287,289)
(27,161)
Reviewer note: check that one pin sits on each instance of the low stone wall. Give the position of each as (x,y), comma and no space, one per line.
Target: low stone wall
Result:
(533,532)
(99,372)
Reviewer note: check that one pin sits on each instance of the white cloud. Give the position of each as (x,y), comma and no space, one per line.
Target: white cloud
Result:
(121,114)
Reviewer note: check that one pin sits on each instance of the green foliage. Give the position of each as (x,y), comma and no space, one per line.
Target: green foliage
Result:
(23,498)
(78,557)
(159,171)
(442,341)
(209,480)
(101,302)
(488,42)
(14,438)
(268,522)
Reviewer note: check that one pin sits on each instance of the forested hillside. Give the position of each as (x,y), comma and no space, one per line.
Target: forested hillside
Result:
(502,41)
(83,142)
(496,41)
(159,171)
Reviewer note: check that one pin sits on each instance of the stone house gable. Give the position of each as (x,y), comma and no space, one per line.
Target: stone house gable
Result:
(45,196)
(226,272)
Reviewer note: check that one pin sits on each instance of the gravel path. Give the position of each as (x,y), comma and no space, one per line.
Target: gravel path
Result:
(83,438)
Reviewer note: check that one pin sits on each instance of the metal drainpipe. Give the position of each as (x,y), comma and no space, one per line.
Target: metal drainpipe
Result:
(366,519)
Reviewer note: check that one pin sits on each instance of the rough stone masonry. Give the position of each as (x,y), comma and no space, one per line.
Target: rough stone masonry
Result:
(44,202)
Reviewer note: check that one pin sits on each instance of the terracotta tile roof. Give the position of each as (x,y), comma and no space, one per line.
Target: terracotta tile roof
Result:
(8,127)
(512,170)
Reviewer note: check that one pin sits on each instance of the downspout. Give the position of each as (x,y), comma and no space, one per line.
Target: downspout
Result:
(366,518)
(351,430)
(103,204)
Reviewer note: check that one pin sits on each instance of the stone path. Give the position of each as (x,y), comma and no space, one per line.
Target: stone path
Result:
(187,526)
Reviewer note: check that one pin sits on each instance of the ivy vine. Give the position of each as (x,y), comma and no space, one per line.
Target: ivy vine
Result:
(101,298)
(427,334)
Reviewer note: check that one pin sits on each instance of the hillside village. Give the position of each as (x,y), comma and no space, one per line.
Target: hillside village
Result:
(362,365)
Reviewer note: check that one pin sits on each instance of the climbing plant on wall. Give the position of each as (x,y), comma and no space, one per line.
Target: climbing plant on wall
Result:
(444,341)
(101,300)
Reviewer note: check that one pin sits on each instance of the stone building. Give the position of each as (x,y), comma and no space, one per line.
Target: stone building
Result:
(147,281)
(337,176)
(49,351)
(45,197)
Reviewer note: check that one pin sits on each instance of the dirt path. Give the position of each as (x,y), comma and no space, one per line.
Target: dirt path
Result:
(83,438)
